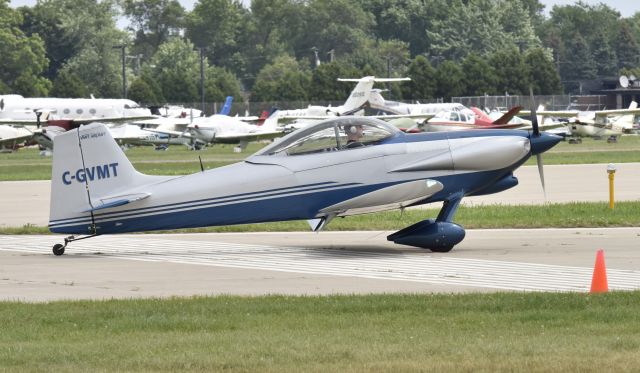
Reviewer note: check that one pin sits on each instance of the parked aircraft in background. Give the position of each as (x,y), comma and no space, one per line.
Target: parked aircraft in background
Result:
(124,134)
(12,137)
(132,135)
(596,124)
(382,106)
(465,119)
(224,129)
(313,173)
(18,110)
(57,115)
(354,105)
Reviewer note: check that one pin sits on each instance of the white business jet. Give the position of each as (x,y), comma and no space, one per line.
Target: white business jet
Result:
(19,110)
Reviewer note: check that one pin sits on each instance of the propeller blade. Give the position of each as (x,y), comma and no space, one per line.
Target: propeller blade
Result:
(541,172)
(534,116)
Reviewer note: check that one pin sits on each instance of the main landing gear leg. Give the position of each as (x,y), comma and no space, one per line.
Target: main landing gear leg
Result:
(58,249)
(439,235)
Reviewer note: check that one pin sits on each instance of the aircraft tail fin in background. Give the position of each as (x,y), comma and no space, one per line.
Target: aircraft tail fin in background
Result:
(226,108)
(625,121)
(263,116)
(90,172)
(375,98)
(362,91)
(481,114)
(508,115)
(271,122)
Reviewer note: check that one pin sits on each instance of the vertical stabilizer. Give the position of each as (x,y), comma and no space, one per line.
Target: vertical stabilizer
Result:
(359,96)
(625,121)
(226,109)
(376,100)
(271,123)
(89,168)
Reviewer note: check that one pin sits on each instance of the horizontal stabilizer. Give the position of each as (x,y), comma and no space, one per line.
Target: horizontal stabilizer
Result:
(380,80)
(110,202)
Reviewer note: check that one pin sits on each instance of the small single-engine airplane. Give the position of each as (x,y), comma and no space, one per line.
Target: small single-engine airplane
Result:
(466,119)
(338,167)
(224,129)
(596,124)
(379,105)
(132,135)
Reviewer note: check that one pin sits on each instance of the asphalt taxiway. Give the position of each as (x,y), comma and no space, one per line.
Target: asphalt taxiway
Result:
(327,263)
(131,266)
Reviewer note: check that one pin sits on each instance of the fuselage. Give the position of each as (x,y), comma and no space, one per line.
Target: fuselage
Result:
(275,187)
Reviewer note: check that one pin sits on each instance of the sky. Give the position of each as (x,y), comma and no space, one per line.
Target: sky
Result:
(626,7)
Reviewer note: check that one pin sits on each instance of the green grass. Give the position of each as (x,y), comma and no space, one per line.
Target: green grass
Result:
(567,215)
(26,164)
(472,332)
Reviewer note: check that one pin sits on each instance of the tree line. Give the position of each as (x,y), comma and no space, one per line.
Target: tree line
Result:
(278,50)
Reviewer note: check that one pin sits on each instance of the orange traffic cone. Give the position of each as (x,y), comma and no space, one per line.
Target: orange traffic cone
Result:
(599,282)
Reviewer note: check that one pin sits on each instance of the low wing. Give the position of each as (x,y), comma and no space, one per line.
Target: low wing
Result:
(526,125)
(10,141)
(606,113)
(18,122)
(170,132)
(389,198)
(552,113)
(110,119)
(424,116)
(575,113)
(162,121)
(233,138)
(308,117)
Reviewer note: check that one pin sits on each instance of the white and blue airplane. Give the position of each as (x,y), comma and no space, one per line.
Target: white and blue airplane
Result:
(317,173)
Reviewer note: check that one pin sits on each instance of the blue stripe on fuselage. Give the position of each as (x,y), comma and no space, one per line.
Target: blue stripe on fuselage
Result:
(193,203)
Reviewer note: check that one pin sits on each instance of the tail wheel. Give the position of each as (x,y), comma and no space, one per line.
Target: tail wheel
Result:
(58,249)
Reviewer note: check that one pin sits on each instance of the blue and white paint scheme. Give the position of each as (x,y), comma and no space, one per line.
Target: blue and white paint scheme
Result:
(309,174)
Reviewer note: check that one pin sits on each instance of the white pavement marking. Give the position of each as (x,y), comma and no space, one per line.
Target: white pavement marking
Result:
(405,266)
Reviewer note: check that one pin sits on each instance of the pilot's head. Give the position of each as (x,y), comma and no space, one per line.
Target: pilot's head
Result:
(353,130)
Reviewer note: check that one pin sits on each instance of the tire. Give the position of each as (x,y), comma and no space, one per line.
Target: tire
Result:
(58,249)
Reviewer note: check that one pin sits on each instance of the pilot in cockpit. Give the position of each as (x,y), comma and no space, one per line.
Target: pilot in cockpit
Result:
(354,134)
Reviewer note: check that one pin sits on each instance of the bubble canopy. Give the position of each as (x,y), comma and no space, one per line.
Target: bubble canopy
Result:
(331,135)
